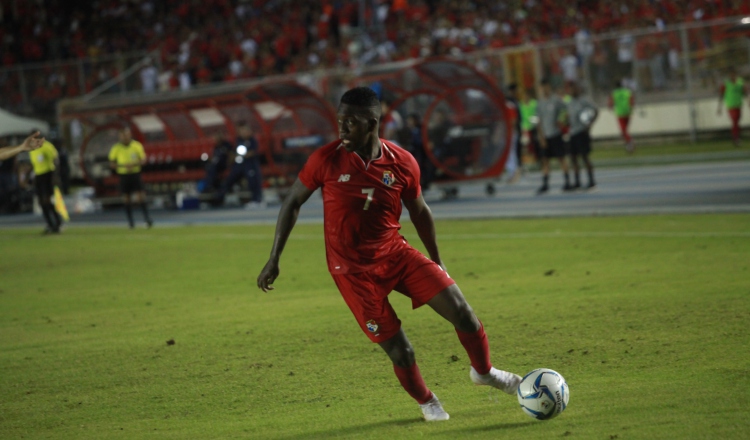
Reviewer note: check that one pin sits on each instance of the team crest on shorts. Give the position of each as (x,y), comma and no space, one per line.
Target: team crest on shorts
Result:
(388,178)
(372,326)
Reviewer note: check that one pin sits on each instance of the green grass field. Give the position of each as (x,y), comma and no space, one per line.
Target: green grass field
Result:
(646,317)
(617,151)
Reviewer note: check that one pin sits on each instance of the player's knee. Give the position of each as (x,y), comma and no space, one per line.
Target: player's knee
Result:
(466,320)
(402,356)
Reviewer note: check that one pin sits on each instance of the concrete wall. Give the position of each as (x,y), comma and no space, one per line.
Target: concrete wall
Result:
(668,118)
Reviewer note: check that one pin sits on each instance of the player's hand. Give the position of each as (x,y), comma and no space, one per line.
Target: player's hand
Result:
(33,142)
(268,275)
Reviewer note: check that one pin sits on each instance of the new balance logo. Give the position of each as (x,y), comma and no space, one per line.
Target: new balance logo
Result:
(344,178)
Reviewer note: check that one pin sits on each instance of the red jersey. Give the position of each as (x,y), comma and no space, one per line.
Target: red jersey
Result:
(361,203)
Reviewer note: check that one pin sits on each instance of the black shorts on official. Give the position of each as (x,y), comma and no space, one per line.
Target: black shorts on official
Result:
(555,147)
(130,183)
(580,144)
(44,186)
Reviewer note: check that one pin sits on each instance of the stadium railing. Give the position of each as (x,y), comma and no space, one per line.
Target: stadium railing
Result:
(36,88)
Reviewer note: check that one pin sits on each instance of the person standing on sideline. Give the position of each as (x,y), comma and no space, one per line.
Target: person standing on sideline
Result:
(126,158)
(392,122)
(511,97)
(252,165)
(416,148)
(731,94)
(529,121)
(34,141)
(217,163)
(622,102)
(44,160)
(551,109)
(246,166)
(581,115)
(364,180)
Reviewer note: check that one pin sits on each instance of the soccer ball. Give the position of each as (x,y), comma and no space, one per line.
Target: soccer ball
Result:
(587,116)
(543,394)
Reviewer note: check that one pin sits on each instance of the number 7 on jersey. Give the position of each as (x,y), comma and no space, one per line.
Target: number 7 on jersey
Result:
(369,192)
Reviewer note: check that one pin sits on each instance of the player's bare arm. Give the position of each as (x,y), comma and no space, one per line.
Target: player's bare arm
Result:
(421,217)
(30,143)
(297,196)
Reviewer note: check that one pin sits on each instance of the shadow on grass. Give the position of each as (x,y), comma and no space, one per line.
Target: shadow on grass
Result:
(495,427)
(360,429)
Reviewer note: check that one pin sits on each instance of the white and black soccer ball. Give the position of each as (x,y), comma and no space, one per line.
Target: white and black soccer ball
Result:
(587,116)
(543,394)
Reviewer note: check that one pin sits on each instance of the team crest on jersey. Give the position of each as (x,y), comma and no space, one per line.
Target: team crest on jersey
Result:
(388,178)
(372,326)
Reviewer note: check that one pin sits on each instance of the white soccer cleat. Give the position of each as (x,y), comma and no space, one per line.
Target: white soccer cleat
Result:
(502,380)
(433,410)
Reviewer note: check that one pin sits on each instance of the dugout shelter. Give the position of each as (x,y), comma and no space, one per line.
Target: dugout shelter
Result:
(466,125)
(179,131)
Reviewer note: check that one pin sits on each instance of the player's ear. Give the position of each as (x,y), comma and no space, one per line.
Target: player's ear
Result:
(372,124)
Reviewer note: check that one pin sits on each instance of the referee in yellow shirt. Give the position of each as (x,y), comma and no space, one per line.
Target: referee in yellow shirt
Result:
(126,158)
(44,161)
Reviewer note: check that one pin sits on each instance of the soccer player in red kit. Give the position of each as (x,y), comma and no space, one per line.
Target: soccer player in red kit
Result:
(364,180)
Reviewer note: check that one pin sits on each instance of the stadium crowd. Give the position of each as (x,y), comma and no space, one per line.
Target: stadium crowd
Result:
(203,41)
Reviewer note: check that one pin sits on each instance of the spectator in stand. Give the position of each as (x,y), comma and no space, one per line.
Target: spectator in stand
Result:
(731,94)
(149,76)
(621,101)
(569,67)
(271,37)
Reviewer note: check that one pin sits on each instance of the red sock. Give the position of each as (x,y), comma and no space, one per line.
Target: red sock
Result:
(477,348)
(734,114)
(624,121)
(411,380)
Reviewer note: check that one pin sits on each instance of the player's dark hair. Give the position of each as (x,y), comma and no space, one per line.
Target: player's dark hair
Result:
(361,97)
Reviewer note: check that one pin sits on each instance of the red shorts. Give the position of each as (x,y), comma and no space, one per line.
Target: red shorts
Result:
(366,293)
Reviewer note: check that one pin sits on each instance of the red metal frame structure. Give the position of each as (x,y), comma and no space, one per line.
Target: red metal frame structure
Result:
(289,121)
(445,91)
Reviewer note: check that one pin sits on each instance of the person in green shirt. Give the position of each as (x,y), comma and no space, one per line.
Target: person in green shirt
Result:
(621,102)
(126,158)
(34,141)
(44,161)
(529,121)
(730,96)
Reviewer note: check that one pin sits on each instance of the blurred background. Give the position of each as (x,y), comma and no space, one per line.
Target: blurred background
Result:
(184,75)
